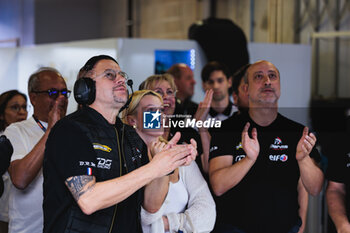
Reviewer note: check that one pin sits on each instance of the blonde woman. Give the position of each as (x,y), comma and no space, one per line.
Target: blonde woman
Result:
(187,204)
(164,85)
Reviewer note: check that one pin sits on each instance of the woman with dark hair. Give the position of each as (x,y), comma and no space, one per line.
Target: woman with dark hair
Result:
(13,108)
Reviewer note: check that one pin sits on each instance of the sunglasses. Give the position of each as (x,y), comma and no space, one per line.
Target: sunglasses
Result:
(54,93)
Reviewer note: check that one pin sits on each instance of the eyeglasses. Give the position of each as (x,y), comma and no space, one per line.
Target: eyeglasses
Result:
(54,93)
(168,92)
(17,107)
(113,74)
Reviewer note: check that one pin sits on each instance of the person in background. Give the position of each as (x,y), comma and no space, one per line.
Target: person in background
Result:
(184,81)
(49,96)
(239,90)
(338,188)
(216,76)
(187,203)
(13,108)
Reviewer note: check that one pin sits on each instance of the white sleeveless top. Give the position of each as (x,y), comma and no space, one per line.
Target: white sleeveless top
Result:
(177,198)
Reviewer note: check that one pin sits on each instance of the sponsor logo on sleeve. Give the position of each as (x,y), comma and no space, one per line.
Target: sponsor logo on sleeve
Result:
(213,148)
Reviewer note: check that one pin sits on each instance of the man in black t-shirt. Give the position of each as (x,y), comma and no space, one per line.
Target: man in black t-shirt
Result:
(338,189)
(262,165)
(95,166)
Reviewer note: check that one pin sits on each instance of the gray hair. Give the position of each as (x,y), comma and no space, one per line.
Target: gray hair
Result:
(33,82)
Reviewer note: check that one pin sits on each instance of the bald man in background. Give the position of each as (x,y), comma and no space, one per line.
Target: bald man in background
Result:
(184,81)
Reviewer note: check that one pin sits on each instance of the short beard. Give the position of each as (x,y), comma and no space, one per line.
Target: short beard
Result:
(118,99)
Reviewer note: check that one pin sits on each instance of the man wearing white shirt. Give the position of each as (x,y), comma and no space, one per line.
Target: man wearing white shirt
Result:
(49,96)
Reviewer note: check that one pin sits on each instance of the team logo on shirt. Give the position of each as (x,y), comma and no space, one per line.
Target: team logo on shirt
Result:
(278,141)
(275,158)
(98,146)
(151,120)
(277,144)
(104,163)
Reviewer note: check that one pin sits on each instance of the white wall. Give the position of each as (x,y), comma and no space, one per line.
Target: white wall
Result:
(8,69)
(136,57)
(68,58)
(294,64)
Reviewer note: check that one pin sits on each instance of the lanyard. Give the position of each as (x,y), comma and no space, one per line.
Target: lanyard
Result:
(43,128)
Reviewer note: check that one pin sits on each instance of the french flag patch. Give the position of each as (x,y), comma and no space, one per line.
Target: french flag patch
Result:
(89,171)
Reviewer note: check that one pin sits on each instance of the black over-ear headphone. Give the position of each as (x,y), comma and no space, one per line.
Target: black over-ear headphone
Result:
(85,91)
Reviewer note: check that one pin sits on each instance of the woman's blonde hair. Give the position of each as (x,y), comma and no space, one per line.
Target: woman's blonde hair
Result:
(136,98)
(151,81)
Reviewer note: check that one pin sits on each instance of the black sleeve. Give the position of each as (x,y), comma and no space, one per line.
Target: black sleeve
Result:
(315,155)
(186,135)
(6,151)
(221,144)
(193,134)
(336,170)
(70,151)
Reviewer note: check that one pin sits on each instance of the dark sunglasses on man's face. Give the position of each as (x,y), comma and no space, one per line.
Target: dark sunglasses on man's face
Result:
(54,93)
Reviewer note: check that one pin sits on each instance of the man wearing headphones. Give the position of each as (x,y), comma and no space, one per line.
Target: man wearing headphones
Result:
(95,166)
